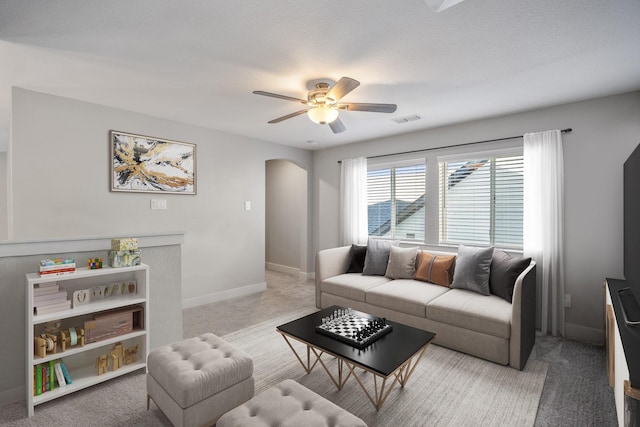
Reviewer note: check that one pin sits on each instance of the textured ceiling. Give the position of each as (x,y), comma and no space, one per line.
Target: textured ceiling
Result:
(198,61)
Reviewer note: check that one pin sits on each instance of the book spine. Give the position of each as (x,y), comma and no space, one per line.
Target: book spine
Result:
(67,377)
(50,299)
(52,375)
(56,261)
(57,267)
(60,375)
(45,291)
(45,378)
(47,285)
(53,308)
(58,272)
(38,374)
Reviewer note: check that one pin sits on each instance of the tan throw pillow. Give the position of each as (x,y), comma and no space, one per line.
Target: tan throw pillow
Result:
(436,269)
(402,263)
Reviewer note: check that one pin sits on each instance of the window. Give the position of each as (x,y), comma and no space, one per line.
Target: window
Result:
(481,200)
(395,196)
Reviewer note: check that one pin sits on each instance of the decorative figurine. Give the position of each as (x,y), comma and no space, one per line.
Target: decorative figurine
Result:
(117,356)
(131,355)
(102,364)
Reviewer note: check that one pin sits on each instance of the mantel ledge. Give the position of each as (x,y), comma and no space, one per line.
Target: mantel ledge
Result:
(83,244)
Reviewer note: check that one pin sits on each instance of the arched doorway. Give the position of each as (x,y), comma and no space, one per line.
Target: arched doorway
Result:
(286,217)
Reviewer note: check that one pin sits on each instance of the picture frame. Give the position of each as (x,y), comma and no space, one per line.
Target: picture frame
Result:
(147,164)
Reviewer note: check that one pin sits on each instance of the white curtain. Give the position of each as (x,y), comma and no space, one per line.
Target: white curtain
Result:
(353,201)
(544,222)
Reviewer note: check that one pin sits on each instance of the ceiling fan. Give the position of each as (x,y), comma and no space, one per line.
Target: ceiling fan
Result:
(322,104)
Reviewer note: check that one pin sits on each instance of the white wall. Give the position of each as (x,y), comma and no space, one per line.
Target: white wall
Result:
(286,216)
(605,131)
(60,163)
(3,196)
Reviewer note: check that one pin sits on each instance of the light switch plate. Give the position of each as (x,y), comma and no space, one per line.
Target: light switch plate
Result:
(158,204)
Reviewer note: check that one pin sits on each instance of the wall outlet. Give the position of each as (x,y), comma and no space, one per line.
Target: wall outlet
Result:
(158,204)
(247,205)
(567,300)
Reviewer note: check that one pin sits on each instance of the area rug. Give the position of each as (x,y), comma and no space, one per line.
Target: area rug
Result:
(448,388)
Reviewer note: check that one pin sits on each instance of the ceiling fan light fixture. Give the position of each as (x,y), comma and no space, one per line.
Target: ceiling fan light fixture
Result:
(322,115)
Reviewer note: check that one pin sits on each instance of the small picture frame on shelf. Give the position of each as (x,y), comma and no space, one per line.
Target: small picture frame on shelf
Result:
(98,292)
(81,297)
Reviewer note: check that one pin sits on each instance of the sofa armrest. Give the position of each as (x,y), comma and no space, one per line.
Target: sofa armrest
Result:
(523,318)
(329,263)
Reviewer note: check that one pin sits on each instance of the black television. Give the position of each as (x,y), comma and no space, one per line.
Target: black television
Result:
(631,212)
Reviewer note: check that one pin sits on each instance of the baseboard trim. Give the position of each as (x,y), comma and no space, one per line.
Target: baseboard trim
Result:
(12,395)
(283,269)
(584,333)
(308,276)
(224,295)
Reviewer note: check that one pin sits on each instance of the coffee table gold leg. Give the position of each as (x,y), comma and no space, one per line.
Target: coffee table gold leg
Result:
(308,367)
(401,375)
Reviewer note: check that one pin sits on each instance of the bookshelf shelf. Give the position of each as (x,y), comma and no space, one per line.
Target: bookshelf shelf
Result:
(81,360)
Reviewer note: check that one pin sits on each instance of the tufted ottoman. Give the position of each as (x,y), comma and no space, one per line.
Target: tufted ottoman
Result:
(289,404)
(197,380)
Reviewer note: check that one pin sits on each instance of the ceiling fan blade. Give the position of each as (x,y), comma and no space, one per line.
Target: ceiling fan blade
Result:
(288,116)
(275,95)
(342,87)
(375,108)
(337,126)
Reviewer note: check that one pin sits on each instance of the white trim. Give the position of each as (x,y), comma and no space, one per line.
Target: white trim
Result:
(283,269)
(12,395)
(584,333)
(224,295)
(311,275)
(83,244)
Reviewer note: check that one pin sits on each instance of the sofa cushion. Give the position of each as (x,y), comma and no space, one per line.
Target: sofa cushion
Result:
(377,258)
(505,270)
(402,263)
(470,310)
(356,259)
(436,269)
(351,285)
(406,296)
(472,269)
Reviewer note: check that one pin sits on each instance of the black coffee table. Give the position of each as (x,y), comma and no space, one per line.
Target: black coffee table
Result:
(392,356)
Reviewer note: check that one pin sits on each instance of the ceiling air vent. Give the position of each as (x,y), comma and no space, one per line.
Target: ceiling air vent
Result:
(407,119)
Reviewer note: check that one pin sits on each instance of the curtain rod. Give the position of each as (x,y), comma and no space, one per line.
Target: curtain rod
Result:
(567,130)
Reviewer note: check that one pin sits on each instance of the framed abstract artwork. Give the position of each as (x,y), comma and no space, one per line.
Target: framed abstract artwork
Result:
(151,165)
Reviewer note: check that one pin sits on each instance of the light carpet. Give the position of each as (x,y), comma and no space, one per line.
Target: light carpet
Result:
(447,388)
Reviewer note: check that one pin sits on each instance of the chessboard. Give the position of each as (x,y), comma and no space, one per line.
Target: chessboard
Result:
(354,328)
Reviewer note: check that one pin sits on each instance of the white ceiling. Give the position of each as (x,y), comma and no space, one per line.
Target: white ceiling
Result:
(198,61)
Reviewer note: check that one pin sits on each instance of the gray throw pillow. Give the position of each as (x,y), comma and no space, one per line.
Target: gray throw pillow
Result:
(473,266)
(377,258)
(402,263)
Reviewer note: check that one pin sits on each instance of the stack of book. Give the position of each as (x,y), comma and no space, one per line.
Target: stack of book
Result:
(57,266)
(49,298)
(48,376)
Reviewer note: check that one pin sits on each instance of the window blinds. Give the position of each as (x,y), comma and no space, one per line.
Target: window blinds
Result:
(481,200)
(396,201)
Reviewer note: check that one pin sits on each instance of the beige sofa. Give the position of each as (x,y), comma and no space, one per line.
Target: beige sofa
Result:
(488,327)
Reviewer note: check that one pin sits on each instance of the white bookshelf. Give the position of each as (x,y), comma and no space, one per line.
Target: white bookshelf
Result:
(80,360)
